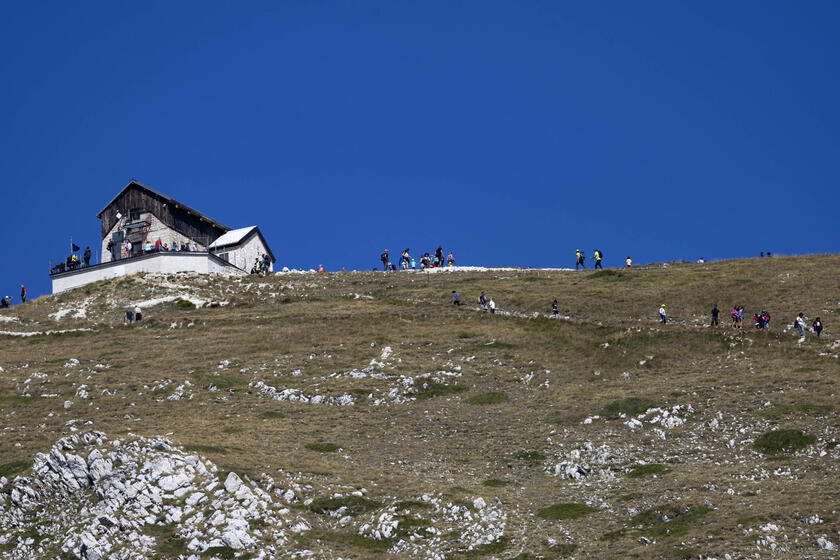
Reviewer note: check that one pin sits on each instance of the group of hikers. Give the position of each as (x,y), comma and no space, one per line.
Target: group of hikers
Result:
(484,303)
(427,260)
(133,315)
(261,265)
(7,301)
(598,256)
(761,320)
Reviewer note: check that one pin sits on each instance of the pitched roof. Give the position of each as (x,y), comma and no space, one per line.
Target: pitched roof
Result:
(168,199)
(233,237)
(238,236)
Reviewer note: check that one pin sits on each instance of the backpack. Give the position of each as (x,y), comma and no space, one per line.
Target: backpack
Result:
(600,254)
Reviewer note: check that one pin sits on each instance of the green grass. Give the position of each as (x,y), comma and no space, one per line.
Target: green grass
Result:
(782,441)
(354,504)
(205,449)
(184,304)
(803,408)
(489,398)
(353,540)
(14,467)
(323,447)
(565,511)
(495,483)
(272,415)
(641,471)
(631,406)
(668,520)
(530,456)
(434,389)
(608,274)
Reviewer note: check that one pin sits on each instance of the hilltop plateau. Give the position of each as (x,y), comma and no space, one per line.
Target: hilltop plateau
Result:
(362,415)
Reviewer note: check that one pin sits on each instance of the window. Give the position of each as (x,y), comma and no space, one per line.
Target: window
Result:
(134,215)
(224,257)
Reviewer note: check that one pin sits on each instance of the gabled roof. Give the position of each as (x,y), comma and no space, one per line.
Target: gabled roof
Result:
(233,237)
(239,236)
(168,199)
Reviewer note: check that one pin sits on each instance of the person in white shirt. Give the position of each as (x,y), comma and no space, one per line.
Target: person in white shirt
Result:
(138,313)
(799,323)
(492,305)
(662,315)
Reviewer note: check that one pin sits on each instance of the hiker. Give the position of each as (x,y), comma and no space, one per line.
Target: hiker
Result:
(741,317)
(128,247)
(129,315)
(580,259)
(701,260)
(817,326)
(762,254)
(450,259)
(482,302)
(628,262)
(598,256)
(456,299)
(384,258)
(554,307)
(662,317)
(439,255)
(715,313)
(22,294)
(86,256)
(765,320)
(404,259)
(4,303)
(413,264)
(757,321)
(492,305)
(138,313)
(799,323)
(320,269)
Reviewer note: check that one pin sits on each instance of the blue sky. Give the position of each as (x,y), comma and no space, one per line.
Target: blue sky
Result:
(512,133)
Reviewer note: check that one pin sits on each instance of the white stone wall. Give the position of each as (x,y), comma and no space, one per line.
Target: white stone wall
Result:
(160,262)
(157,230)
(246,254)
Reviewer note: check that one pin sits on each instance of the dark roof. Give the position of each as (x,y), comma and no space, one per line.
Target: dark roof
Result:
(168,199)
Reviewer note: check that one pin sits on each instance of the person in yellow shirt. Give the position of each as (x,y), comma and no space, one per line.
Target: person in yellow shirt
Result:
(629,262)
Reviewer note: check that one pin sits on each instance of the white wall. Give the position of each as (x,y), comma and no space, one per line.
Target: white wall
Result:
(246,254)
(159,262)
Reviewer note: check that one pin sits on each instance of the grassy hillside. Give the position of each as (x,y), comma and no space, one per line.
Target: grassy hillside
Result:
(598,434)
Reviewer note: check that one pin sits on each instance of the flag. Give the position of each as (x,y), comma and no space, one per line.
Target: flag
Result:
(75,247)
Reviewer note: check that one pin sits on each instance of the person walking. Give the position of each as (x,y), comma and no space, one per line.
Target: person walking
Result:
(456,299)
(580,259)
(129,315)
(439,256)
(22,294)
(715,313)
(86,256)
(817,326)
(492,305)
(405,258)
(741,317)
(598,256)
(628,262)
(138,313)
(554,307)
(450,259)
(482,302)
(384,258)
(662,316)
(799,323)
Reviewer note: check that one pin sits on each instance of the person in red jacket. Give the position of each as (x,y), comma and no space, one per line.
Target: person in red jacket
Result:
(22,294)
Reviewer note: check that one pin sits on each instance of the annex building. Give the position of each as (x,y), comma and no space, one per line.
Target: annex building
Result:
(143,230)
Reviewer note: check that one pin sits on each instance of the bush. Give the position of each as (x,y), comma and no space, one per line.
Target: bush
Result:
(565,511)
(434,389)
(323,447)
(782,441)
(641,471)
(354,504)
(631,406)
(489,398)
(184,304)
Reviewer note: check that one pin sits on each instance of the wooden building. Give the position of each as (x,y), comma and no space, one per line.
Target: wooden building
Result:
(149,219)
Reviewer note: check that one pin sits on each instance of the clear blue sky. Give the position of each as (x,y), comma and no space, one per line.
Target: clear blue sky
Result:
(510,132)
